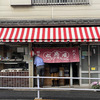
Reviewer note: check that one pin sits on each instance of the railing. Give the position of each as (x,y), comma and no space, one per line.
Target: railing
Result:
(65,2)
(38,88)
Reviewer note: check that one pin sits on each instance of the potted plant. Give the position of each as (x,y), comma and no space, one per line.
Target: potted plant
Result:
(95,85)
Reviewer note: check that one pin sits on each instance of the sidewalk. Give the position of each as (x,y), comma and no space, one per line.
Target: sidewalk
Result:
(75,86)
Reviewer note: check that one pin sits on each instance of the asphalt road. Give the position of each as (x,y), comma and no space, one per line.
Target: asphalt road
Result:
(59,95)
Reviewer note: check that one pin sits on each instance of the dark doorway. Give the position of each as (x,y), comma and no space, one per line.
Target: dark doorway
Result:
(75,73)
(67,73)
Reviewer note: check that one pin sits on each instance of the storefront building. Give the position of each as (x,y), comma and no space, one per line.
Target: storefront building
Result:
(67,32)
(74,50)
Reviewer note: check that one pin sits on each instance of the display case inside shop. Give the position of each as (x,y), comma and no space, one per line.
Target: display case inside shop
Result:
(12,57)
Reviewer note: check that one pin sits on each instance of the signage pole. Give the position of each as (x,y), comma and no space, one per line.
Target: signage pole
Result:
(89,62)
(71,80)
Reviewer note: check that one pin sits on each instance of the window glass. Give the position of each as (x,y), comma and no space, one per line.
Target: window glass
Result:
(99,58)
(94,75)
(85,81)
(84,57)
(94,57)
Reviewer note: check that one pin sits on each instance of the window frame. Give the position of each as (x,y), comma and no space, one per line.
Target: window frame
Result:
(60,2)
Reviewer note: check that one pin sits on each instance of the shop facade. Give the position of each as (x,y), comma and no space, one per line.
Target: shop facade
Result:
(74,50)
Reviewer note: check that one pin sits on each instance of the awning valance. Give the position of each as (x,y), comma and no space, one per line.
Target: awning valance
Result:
(59,34)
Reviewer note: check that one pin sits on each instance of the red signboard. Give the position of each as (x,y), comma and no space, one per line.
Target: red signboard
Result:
(58,55)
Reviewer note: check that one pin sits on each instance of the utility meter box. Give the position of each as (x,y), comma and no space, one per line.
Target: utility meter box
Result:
(20,2)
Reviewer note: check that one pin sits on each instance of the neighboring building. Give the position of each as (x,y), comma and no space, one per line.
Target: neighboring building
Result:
(30,24)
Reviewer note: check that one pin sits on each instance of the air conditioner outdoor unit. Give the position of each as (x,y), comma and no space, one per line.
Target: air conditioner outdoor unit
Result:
(20,2)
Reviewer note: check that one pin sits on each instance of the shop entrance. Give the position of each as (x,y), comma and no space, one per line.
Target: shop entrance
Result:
(67,73)
(61,70)
(71,70)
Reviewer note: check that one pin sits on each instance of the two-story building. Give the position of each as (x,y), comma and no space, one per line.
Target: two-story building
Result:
(64,32)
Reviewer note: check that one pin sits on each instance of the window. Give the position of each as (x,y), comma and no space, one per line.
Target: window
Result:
(20,2)
(62,2)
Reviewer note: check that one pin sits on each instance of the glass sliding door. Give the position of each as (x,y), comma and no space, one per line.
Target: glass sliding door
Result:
(84,64)
(93,59)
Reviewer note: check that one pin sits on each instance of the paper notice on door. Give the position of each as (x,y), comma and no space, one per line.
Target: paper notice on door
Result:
(93,68)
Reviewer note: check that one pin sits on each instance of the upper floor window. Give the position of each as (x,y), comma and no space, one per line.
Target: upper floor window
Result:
(60,2)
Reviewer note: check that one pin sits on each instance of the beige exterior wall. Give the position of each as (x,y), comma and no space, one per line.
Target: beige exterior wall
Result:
(49,12)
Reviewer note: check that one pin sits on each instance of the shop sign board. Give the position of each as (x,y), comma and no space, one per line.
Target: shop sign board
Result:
(57,55)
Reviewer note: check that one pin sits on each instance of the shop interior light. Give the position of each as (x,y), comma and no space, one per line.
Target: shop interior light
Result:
(94,50)
(14,45)
(2,43)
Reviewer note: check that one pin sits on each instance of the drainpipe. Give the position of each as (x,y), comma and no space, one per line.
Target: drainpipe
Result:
(89,63)
(80,65)
(71,70)
(71,80)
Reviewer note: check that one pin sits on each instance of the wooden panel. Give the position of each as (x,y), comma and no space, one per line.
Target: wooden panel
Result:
(47,82)
(2,55)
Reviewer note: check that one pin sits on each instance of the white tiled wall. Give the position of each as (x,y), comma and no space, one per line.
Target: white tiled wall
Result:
(49,12)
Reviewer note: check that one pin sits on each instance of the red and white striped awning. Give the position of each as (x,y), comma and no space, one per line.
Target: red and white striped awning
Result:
(62,34)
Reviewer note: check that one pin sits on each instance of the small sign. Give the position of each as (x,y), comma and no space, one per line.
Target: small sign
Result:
(84,53)
(83,57)
(20,49)
(93,68)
